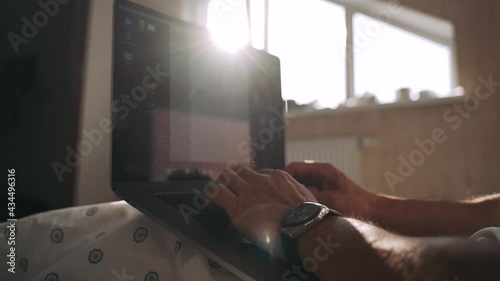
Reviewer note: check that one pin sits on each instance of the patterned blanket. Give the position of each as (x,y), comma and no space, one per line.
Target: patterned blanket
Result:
(111,241)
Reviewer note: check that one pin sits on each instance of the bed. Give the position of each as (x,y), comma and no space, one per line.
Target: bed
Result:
(111,241)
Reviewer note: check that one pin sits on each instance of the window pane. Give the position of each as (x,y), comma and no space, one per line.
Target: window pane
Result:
(309,37)
(257,8)
(387,58)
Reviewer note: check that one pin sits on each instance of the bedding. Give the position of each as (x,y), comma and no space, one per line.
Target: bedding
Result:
(111,241)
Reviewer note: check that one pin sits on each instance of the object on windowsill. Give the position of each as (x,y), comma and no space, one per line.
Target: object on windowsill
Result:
(367,99)
(294,106)
(403,95)
(426,94)
(457,91)
(350,102)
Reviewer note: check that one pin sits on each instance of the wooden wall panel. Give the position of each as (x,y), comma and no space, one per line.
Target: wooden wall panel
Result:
(466,164)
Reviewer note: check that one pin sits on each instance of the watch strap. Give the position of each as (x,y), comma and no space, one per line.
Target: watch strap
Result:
(291,251)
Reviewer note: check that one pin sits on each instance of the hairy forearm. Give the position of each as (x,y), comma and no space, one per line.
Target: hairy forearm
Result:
(430,218)
(366,252)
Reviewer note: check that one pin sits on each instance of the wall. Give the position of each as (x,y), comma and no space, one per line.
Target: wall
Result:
(40,87)
(93,182)
(467,162)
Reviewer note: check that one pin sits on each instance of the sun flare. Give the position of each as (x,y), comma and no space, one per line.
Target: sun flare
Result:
(228,25)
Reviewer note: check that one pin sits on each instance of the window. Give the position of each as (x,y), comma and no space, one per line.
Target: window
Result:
(332,50)
(396,59)
(309,38)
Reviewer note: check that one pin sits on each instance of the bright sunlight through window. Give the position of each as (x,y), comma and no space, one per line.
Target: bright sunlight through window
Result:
(397,59)
(227,21)
(309,37)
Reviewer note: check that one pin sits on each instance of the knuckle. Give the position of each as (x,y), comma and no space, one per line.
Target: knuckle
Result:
(278,173)
(279,176)
(224,177)
(326,166)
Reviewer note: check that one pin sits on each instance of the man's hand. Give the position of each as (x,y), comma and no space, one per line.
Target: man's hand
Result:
(256,201)
(333,188)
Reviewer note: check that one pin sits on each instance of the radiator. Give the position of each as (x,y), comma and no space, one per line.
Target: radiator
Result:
(343,152)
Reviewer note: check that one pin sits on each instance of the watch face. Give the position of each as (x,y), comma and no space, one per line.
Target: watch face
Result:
(301,214)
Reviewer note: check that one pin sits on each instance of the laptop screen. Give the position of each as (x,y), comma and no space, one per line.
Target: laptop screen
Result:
(184,108)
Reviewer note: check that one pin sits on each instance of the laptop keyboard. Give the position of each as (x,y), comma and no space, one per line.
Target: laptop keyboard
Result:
(212,216)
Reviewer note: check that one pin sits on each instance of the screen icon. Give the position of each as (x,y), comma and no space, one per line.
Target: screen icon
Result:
(142,24)
(129,22)
(151,27)
(128,56)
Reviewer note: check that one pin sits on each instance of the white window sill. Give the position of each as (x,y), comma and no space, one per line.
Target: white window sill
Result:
(377,107)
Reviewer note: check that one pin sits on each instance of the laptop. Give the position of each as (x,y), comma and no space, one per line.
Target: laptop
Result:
(183,110)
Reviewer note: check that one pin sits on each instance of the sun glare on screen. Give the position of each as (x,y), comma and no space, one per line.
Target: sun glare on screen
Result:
(227,21)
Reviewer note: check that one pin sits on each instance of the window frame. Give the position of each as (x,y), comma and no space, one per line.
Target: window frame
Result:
(350,11)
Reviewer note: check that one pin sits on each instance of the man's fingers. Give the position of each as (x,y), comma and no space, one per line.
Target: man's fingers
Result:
(233,181)
(316,174)
(246,173)
(265,171)
(310,173)
(224,198)
(303,169)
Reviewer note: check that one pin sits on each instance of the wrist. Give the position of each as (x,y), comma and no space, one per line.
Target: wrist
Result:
(319,244)
(306,239)
(376,207)
(298,225)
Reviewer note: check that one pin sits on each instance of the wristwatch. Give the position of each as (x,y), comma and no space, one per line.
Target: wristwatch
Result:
(297,221)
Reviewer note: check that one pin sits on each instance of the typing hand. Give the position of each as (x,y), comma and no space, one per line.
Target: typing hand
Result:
(333,188)
(256,201)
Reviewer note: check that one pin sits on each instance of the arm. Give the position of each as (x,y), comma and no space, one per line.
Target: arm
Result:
(347,249)
(406,216)
(421,217)
(365,252)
